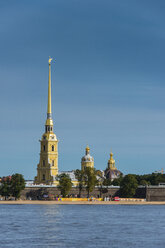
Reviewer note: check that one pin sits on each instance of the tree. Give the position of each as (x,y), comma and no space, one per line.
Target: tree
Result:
(153,179)
(117,181)
(90,179)
(100,181)
(107,182)
(17,184)
(65,184)
(128,186)
(79,175)
(144,182)
(5,188)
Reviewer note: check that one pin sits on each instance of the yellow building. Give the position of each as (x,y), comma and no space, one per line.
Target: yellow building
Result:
(87,160)
(47,169)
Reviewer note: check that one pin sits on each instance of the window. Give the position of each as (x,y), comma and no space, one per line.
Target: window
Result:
(43,177)
(52,148)
(43,162)
(44,148)
(52,162)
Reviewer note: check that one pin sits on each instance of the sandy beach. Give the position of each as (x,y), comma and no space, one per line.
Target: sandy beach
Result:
(20,202)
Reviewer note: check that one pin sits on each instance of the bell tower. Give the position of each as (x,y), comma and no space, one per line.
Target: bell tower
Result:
(47,169)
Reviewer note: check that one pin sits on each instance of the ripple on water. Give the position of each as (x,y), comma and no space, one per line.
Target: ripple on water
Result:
(82,226)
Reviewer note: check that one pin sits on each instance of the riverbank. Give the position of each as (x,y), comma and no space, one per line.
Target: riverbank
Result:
(20,202)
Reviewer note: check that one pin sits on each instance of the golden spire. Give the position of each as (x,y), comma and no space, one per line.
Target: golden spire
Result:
(111,155)
(49,121)
(49,112)
(111,161)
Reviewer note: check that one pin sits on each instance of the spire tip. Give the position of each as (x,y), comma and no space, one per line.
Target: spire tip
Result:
(49,61)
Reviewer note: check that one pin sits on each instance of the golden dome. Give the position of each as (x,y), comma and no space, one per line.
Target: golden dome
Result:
(87,157)
(87,149)
(111,162)
(111,158)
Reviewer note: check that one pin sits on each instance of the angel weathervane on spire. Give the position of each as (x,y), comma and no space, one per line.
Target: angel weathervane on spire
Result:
(49,61)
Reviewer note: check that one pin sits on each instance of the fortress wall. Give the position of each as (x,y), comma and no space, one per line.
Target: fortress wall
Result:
(38,192)
(140,192)
(155,193)
(151,193)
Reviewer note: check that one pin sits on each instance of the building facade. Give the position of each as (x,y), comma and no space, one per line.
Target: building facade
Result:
(47,169)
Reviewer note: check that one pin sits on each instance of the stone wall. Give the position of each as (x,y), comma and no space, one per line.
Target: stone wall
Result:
(37,193)
(151,193)
(155,193)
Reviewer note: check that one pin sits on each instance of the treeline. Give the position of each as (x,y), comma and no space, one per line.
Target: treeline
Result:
(129,183)
(11,186)
(142,180)
(88,178)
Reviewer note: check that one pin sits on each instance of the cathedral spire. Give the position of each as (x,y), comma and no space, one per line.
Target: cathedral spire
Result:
(47,169)
(49,111)
(49,121)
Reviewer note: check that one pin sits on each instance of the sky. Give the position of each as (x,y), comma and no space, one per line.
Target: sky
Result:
(108,82)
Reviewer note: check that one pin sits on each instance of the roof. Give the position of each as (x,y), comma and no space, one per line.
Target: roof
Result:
(69,173)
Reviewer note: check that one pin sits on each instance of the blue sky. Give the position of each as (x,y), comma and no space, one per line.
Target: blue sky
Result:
(108,82)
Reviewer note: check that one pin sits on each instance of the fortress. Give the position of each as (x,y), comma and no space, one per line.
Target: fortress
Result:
(47,169)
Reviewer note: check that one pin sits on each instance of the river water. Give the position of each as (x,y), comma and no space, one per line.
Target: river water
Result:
(82,226)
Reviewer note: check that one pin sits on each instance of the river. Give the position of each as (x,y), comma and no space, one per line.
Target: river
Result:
(82,226)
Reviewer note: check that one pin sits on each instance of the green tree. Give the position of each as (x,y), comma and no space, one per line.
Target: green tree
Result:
(100,181)
(107,182)
(17,185)
(143,182)
(90,180)
(128,186)
(153,179)
(5,188)
(79,175)
(65,184)
(117,181)
(158,178)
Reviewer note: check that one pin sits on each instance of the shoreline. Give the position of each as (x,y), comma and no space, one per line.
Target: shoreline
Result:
(33,202)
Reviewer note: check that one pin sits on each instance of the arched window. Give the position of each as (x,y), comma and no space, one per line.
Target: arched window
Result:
(52,162)
(43,162)
(43,177)
(44,148)
(52,148)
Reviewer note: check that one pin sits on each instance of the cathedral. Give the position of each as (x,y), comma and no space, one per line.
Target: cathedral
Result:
(47,168)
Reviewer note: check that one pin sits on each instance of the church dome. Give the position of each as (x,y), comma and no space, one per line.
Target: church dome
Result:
(111,162)
(112,172)
(87,157)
